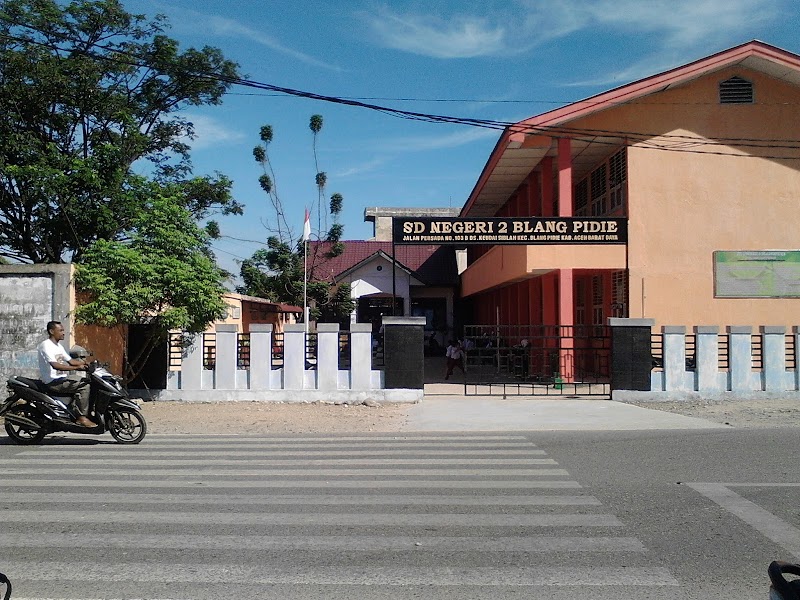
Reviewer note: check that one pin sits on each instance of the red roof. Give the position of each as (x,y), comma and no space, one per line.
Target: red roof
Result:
(432,265)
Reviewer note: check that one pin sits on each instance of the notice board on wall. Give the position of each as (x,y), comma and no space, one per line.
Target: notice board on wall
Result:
(757,274)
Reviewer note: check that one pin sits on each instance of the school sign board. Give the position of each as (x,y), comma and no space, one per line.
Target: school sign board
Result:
(511,230)
(757,274)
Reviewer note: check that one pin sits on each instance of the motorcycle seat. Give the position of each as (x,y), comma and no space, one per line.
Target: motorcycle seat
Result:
(39,386)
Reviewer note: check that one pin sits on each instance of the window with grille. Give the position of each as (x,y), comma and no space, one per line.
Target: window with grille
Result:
(582,198)
(618,179)
(736,91)
(599,187)
(580,302)
(619,285)
(597,300)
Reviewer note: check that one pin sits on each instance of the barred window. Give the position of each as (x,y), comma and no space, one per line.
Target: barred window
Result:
(581,198)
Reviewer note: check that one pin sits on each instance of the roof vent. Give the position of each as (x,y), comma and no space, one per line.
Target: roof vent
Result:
(736,91)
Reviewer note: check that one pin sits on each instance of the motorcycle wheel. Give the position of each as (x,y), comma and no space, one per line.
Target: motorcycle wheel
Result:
(126,425)
(22,434)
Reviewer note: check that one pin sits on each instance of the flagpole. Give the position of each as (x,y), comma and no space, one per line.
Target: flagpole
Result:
(305,285)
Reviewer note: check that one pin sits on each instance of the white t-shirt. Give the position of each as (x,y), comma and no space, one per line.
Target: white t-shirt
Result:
(49,352)
(454,352)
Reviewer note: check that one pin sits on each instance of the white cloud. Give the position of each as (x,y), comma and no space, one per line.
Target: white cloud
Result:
(209,132)
(676,26)
(451,37)
(223,27)
(366,167)
(455,139)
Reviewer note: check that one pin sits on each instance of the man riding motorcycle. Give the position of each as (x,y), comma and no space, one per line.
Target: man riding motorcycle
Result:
(54,362)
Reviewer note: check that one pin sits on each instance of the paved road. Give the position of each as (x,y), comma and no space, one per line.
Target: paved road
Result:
(477,515)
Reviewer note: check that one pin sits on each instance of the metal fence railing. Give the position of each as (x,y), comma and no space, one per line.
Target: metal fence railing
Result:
(723,346)
(177,350)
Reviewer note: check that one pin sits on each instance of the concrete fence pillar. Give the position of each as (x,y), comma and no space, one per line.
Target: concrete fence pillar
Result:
(740,357)
(674,357)
(192,365)
(260,356)
(773,357)
(327,356)
(706,358)
(294,356)
(403,352)
(631,355)
(360,356)
(226,353)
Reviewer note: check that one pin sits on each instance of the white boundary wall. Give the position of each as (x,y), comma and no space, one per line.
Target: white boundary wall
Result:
(291,383)
(707,381)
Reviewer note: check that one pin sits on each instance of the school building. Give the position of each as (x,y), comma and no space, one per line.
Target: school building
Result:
(704,163)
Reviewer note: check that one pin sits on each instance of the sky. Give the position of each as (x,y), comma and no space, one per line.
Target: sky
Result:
(504,60)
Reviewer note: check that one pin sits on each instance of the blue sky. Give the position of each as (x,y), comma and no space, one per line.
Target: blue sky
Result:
(494,59)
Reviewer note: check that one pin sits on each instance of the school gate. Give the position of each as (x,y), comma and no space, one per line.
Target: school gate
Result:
(537,360)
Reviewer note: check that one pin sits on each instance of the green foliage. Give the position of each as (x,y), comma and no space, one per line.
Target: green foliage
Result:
(336,203)
(86,90)
(321,179)
(315,123)
(163,275)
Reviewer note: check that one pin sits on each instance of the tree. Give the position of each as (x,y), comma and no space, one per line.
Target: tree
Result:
(163,276)
(86,91)
(276,273)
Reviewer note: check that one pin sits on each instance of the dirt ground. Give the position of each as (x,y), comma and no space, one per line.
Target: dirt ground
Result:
(269,417)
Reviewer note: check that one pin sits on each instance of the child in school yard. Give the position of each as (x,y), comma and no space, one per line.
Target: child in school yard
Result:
(455,358)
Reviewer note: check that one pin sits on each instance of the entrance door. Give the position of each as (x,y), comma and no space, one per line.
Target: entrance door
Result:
(372,309)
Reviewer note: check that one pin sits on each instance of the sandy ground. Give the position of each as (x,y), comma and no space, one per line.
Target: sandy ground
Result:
(263,417)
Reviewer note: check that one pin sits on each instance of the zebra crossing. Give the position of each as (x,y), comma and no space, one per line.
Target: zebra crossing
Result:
(381,516)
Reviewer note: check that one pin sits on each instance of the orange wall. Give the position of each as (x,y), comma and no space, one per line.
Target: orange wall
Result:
(684,206)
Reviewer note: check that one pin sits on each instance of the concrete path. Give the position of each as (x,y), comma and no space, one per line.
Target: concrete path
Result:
(445,408)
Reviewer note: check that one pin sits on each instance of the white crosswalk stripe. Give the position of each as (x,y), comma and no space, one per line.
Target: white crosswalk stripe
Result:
(389,517)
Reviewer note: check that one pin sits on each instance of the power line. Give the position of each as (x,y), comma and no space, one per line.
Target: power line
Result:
(514,127)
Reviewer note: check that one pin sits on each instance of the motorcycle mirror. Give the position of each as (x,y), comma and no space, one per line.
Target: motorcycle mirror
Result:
(4,581)
(782,589)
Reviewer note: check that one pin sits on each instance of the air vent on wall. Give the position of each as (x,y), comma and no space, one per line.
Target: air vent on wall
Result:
(736,91)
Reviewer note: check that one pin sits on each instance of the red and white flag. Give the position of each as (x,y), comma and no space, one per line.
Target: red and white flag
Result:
(307,227)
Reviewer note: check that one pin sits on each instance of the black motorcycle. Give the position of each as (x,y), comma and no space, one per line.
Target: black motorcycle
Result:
(32,412)
(781,588)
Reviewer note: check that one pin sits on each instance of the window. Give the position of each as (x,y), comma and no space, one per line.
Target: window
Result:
(619,289)
(736,91)
(618,179)
(597,300)
(582,198)
(580,302)
(599,187)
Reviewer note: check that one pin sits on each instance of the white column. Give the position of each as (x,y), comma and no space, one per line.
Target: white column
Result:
(260,356)
(674,357)
(225,364)
(294,356)
(706,358)
(192,365)
(773,357)
(327,356)
(740,357)
(360,356)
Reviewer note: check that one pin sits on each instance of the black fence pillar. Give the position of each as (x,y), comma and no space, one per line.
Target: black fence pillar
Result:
(631,356)
(403,352)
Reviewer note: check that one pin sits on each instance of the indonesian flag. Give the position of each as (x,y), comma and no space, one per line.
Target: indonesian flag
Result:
(307,227)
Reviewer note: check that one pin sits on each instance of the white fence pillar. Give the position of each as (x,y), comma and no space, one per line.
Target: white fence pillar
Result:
(294,356)
(192,365)
(327,356)
(773,357)
(360,356)
(740,357)
(674,357)
(706,358)
(225,363)
(260,356)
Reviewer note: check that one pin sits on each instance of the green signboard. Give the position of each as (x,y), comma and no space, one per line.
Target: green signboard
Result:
(757,274)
